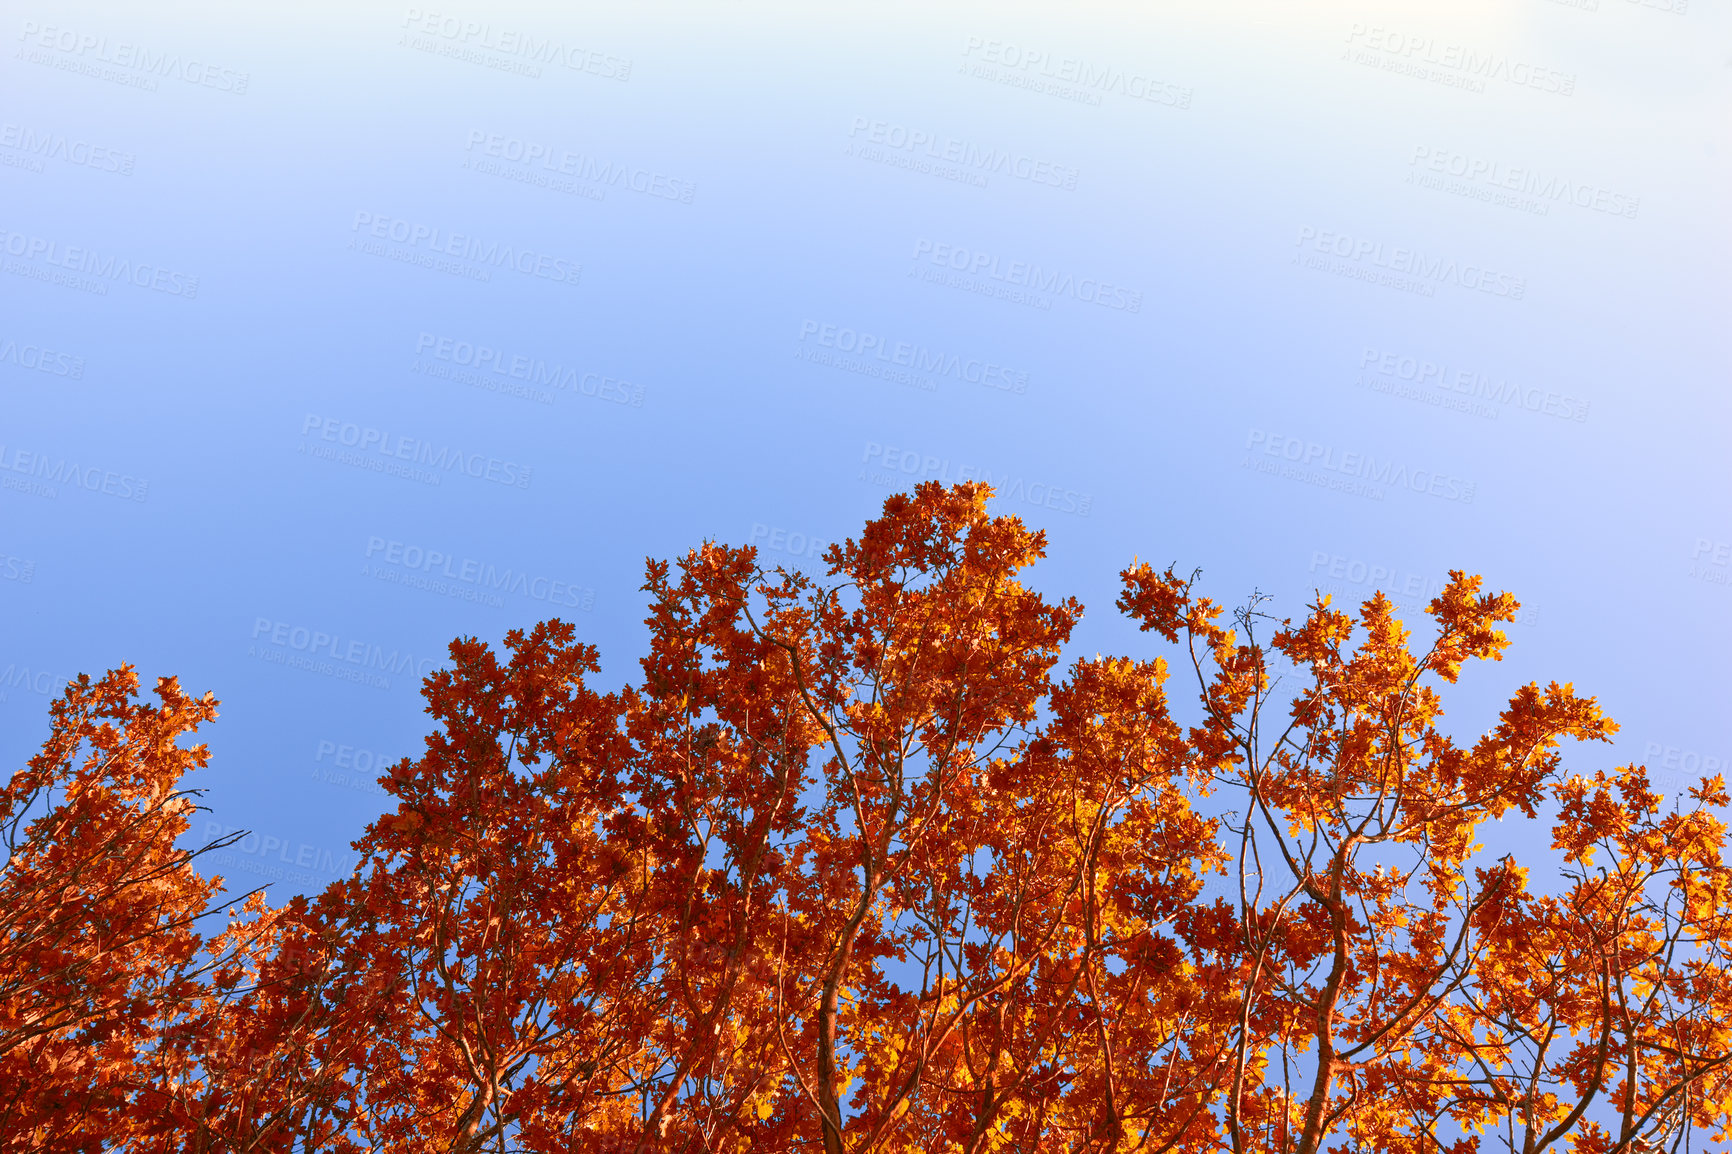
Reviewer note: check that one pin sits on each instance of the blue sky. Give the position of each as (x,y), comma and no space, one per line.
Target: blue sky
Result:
(329,334)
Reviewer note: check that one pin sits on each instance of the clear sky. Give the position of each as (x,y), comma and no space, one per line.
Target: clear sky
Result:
(331,331)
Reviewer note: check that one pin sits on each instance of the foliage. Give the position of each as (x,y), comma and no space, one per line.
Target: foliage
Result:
(855,866)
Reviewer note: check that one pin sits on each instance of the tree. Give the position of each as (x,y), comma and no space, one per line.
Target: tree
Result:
(490,962)
(894,927)
(101,955)
(1617,991)
(1392,986)
(853,866)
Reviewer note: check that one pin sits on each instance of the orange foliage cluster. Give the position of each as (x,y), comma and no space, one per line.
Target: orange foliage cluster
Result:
(853,868)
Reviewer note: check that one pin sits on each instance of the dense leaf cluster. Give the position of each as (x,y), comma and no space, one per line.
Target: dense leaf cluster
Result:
(853,867)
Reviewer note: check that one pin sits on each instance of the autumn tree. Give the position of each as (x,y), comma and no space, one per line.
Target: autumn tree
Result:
(490,965)
(859,863)
(102,949)
(255,1062)
(900,892)
(1601,1018)
(1397,989)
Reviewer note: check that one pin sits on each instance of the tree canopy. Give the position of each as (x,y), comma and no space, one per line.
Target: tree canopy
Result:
(856,866)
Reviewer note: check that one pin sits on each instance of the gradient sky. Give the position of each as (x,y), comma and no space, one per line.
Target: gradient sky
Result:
(1328,298)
